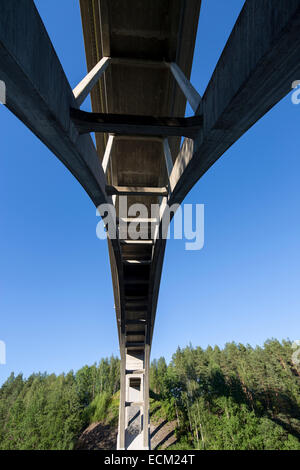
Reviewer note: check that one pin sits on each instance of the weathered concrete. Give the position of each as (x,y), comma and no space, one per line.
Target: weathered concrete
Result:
(136,91)
(39,94)
(133,431)
(86,85)
(133,125)
(186,87)
(107,154)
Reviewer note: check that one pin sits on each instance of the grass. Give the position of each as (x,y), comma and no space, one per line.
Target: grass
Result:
(104,408)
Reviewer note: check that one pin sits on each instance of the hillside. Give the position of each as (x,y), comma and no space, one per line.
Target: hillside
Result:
(237,397)
(102,434)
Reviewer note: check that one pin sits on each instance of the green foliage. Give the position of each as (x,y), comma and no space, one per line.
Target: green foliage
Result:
(48,411)
(97,410)
(184,444)
(104,407)
(113,411)
(236,398)
(233,398)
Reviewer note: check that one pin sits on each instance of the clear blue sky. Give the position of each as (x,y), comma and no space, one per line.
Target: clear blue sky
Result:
(56,298)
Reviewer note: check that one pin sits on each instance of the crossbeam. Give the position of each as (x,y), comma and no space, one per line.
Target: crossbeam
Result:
(135,191)
(127,124)
(136,262)
(136,242)
(136,322)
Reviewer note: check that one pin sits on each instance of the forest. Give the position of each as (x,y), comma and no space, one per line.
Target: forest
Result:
(234,398)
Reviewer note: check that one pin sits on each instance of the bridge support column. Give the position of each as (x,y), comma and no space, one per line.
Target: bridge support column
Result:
(146,426)
(121,430)
(133,433)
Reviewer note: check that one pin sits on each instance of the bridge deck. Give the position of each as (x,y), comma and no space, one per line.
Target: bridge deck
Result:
(139,37)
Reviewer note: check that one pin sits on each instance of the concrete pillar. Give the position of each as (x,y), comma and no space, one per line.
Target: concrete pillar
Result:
(121,430)
(146,424)
(134,401)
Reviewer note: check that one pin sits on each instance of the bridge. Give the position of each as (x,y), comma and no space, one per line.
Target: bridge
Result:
(139,57)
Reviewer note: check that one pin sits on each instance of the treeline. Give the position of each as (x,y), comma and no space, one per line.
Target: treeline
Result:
(49,411)
(237,397)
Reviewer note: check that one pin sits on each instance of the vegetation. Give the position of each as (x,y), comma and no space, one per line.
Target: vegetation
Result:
(104,408)
(49,412)
(235,398)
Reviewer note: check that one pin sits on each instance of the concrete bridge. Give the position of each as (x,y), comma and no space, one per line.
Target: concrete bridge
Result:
(139,57)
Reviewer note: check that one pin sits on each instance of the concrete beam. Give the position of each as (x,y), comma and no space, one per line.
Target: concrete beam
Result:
(135,191)
(39,94)
(146,421)
(140,63)
(136,242)
(168,160)
(136,262)
(136,125)
(107,154)
(260,61)
(186,87)
(122,424)
(86,85)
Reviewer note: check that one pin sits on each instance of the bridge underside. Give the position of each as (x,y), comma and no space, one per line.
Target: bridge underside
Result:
(146,49)
(140,38)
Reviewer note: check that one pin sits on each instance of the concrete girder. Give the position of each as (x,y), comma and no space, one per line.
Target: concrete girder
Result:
(39,94)
(255,71)
(260,61)
(125,124)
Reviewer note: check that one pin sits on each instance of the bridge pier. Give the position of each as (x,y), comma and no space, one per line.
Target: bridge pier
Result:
(133,431)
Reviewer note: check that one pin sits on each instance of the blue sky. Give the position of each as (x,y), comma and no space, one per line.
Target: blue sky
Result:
(56,299)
